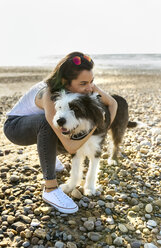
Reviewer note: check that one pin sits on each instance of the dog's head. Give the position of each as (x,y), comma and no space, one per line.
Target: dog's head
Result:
(77,113)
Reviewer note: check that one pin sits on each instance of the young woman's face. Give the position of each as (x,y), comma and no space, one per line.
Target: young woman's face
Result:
(83,84)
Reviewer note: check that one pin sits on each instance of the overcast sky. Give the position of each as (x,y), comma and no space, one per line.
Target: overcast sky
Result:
(31,28)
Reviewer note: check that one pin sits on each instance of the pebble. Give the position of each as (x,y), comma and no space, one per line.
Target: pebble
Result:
(25,218)
(76,194)
(35,223)
(28,201)
(151,223)
(18,226)
(150,245)
(110,220)
(136,244)
(40,233)
(108,211)
(46,210)
(14,178)
(123,228)
(158,202)
(89,225)
(26,244)
(118,241)
(71,245)
(109,239)
(100,203)
(59,244)
(149,208)
(94,236)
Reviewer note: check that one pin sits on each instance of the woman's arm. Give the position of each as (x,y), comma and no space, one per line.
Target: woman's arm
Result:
(70,145)
(107,100)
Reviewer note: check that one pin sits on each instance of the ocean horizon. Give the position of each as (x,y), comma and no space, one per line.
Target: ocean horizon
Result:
(137,62)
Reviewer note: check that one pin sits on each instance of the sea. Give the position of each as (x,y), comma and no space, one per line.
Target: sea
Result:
(110,62)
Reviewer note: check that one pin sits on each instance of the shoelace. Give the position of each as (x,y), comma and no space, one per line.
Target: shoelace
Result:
(62,197)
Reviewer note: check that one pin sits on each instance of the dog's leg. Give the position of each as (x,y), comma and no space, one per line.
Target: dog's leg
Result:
(117,136)
(75,175)
(91,178)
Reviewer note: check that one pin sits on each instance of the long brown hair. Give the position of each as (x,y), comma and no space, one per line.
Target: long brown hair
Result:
(66,70)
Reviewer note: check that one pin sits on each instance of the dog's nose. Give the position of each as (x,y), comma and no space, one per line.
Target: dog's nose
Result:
(61,121)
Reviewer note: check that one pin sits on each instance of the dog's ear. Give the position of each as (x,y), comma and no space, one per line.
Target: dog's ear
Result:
(55,96)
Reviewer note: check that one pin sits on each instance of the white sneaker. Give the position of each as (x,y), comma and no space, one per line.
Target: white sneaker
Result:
(58,165)
(59,200)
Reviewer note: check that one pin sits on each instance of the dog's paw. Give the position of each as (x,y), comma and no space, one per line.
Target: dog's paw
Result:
(67,187)
(90,192)
(112,162)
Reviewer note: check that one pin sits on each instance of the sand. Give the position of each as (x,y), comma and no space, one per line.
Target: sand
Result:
(136,181)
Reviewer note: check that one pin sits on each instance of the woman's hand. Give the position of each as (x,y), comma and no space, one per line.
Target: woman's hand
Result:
(107,100)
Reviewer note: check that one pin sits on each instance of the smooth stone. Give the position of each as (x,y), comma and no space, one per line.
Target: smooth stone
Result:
(89,225)
(46,210)
(94,236)
(34,240)
(76,194)
(26,244)
(136,208)
(45,218)
(108,211)
(136,244)
(19,226)
(109,197)
(71,245)
(10,219)
(59,244)
(158,202)
(123,228)
(28,201)
(100,203)
(132,214)
(118,241)
(134,195)
(151,223)
(146,231)
(109,205)
(109,239)
(28,233)
(14,178)
(25,218)
(40,233)
(35,223)
(148,185)
(148,216)
(148,208)
(150,245)
(110,220)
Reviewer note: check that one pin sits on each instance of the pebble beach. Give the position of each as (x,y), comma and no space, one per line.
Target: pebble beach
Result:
(126,212)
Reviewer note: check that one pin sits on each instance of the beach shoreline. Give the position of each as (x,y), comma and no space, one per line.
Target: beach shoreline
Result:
(20,79)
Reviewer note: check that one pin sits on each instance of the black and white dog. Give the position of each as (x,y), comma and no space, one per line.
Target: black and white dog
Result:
(76,115)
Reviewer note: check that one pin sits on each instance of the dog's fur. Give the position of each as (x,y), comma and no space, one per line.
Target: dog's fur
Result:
(76,115)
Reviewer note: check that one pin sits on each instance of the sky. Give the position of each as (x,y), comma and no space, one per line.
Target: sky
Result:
(32,28)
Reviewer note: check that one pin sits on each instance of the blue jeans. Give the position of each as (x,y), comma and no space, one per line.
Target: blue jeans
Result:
(34,129)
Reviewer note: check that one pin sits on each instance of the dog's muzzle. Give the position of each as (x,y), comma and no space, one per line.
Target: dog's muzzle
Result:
(61,121)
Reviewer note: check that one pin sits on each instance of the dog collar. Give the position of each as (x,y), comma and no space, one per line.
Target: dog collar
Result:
(79,136)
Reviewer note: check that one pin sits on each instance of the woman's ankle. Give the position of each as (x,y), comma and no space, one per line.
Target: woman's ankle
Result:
(50,185)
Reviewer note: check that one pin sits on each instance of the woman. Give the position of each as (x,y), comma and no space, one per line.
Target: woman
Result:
(30,120)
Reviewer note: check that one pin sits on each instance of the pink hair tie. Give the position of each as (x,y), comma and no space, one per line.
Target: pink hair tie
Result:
(77,60)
